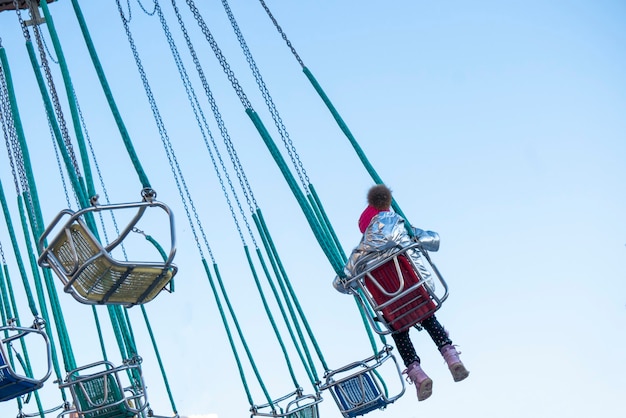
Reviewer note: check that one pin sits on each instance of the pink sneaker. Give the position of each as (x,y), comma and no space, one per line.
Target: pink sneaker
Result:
(423,383)
(451,356)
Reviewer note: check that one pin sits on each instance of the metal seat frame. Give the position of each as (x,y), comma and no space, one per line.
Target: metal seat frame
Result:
(11,382)
(361,284)
(302,406)
(88,271)
(356,387)
(115,398)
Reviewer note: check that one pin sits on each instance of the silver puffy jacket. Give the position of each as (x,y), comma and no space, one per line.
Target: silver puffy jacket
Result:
(385,235)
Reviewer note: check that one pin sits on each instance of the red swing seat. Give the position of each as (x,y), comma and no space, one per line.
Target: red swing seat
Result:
(404,301)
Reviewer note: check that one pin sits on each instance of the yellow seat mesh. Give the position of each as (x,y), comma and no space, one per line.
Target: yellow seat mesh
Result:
(95,276)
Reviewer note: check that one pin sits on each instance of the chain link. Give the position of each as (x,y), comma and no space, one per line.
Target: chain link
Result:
(21,20)
(220,56)
(278,122)
(14,150)
(55,100)
(146,10)
(280,31)
(242,179)
(164,137)
(7,127)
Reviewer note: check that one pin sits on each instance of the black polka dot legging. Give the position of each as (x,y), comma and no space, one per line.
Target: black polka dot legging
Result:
(405,347)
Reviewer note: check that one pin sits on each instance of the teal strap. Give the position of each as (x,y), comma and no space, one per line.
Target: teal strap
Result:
(109,95)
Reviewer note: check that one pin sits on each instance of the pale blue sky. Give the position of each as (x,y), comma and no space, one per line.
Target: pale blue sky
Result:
(499,125)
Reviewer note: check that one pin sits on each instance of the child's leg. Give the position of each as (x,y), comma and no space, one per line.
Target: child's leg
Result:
(436,331)
(405,347)
(439,335)
(423,383)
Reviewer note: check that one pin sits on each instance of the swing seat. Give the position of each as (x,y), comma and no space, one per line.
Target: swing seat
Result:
(302,406)
(395,292)
(12,384)
(398,278)
(102,395)
(358,388)
(88,270)
(359,395)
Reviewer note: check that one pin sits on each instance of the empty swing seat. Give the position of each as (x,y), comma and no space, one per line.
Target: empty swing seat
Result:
(102,395)
(359,395)
(358,388)
(89,272)
(301,406)
(309,411)
(98,278)
(13,384)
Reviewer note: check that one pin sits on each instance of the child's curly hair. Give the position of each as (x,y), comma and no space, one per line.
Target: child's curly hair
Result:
(379,196)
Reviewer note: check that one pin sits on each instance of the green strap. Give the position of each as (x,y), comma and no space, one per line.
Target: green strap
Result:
(158,356)
(243,183)
(205,131)
(227,328)
(35,213)
(77,184)
(96,319)
(16,249)
(121,326)
(109,95)
(316,204)
(268,311)
(69,89)
(357,148)
(323,240)
(289,295)
(6,314)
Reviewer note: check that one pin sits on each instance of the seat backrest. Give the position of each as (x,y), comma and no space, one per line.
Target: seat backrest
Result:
(101,397)
(92,276)
(358,395)
(101,390)
(309,411)
(410,302)
(12,383)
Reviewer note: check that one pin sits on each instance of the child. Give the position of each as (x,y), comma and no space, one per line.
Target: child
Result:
(383,232)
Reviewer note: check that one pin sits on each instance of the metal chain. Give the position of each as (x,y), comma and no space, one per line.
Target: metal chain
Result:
(220,57)
(45,44)
(21,20)
(280,31)
(60,165)
(13,148)
(243,181)
(145,10)
(124,18)
(241,176)
(90,145)
(55,100)
(164,137)
(4,261)
(12,143)
(199,114)
(7,127)
(278,122)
